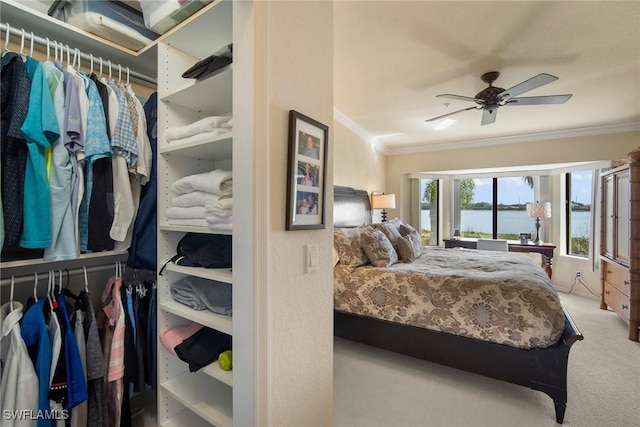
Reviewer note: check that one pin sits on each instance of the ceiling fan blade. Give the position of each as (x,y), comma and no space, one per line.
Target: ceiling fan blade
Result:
(539,100)
(489,116)
(459,97)
(527,85)
(449,114)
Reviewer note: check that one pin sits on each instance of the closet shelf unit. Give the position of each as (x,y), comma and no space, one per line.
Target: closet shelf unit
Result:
(208,392)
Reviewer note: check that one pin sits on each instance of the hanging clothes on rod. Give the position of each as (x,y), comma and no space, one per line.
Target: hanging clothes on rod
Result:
(67,360)
(87,141)
(43,41)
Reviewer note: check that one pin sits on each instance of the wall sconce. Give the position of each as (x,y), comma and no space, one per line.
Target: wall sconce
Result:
(383,201)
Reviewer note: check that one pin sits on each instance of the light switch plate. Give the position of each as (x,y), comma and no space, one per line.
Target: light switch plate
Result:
(311,258)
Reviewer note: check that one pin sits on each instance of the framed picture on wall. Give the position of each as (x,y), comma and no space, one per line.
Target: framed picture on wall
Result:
(306,197)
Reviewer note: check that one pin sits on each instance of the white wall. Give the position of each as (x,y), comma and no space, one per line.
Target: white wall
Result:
(357,163)
(294,54)
(577,149)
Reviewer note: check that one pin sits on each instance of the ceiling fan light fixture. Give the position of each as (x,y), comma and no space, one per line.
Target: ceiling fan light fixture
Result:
(444,124)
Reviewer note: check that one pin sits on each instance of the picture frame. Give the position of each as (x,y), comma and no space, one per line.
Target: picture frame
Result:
(306,188)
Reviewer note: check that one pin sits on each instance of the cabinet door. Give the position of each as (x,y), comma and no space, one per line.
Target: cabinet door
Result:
(622,217)
(608,214)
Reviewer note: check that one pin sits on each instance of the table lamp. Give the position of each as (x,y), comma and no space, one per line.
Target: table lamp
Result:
(538,210)
(383,201)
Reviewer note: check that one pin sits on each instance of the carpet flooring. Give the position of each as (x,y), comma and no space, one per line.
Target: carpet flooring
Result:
(374,387)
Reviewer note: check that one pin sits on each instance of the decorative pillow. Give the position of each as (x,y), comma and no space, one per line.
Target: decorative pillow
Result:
(410,247)
(379,249)
(406,229)
(348,244)
(390,229)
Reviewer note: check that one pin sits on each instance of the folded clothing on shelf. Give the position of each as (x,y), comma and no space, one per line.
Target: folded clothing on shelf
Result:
(210,64)
(203,348)
(202,294)
(208,124)
(217,182)
(193,199)
(170,338)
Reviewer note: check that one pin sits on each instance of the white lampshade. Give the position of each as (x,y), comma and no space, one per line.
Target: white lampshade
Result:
(383,201)
(539,210)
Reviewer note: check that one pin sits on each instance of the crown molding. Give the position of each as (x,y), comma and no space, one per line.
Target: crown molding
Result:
(340,117)
(513,139)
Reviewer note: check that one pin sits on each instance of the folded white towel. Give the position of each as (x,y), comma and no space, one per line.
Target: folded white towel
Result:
(213,219)
(196,198)
(194,222)
(220,227)
(229,124)
(203,125)
(194,212)
(199,137)
(221,207)
(216,182)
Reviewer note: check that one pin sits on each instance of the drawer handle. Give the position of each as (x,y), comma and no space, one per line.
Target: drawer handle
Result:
(626,282)
(609,271)
(625,307)
(606,292)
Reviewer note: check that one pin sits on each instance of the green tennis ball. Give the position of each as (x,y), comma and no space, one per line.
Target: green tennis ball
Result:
(226,360)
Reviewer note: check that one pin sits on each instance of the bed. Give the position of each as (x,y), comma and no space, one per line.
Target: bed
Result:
(524,339)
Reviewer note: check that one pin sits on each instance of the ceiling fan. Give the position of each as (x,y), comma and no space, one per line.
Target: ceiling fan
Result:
(493,97)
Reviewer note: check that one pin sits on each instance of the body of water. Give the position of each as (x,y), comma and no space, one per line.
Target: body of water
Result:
(509,222)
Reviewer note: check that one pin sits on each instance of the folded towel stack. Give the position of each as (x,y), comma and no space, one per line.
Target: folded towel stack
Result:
(209,126)
(219,214)
(202,200)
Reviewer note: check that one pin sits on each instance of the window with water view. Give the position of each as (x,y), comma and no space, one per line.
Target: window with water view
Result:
(495,207)
(579,190)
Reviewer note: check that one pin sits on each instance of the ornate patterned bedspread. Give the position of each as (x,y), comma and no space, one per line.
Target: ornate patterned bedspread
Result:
(501,297)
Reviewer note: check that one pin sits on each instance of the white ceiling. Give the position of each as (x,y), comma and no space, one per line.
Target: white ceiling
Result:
(392,58)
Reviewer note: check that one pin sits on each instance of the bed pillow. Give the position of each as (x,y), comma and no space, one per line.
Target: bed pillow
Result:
(406,229)
(390,230)
(410,247)
(348,244)
(379,249)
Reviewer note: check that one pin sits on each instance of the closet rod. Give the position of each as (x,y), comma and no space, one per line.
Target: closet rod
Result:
(84,56)
(68,273)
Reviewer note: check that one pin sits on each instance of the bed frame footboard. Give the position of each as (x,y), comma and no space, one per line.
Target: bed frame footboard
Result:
(540,369)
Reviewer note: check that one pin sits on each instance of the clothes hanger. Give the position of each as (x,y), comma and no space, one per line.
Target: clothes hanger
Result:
(22,45)
(35,287)
(50,285)
(5,49)
(101,67)
(109,70)
(84,269)
(11,294)
(91,62)
(31,46)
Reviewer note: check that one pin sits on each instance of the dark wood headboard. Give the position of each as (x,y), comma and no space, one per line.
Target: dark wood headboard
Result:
(351,207)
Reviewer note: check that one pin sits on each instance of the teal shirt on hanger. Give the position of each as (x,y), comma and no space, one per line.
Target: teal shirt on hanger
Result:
(40,129)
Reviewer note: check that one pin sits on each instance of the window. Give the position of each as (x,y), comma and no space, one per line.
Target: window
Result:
(494,207)
(579,188)
(429,197)
(476,207)
(513,195)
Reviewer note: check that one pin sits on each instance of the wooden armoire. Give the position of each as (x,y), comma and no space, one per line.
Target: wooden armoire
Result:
(620,243)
